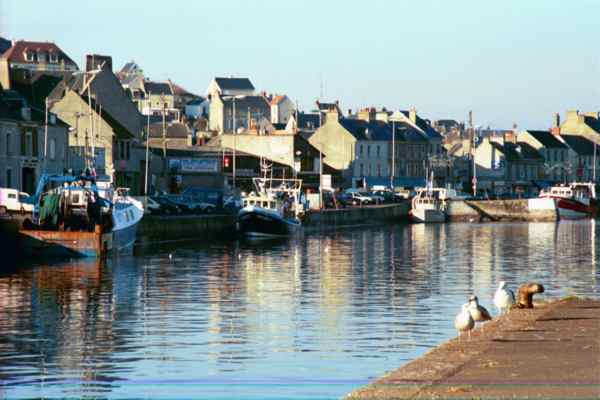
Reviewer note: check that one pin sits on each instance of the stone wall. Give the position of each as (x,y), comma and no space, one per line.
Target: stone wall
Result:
(326,219)
(503,210)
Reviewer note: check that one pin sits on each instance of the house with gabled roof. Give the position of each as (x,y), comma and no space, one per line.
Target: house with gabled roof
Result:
(582,158)
(230,87)
(103,117)
(237,113)
(282,108)
(25,60)
(504,166)
(554,151)
(582,124)
(362,147)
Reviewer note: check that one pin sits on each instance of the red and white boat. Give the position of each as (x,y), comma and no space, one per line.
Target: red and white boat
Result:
(574,201)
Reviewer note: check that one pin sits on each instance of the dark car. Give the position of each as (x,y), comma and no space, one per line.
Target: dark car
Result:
(167,207)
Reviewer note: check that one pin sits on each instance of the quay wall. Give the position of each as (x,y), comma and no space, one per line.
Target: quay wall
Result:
(533,210)
(177,227)
(332,218)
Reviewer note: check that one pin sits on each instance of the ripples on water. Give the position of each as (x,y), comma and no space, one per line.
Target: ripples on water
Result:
(314,317)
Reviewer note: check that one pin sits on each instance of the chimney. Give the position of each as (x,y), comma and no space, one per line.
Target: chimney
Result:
(366,114)
(556,121)
(97,61)
(412,115)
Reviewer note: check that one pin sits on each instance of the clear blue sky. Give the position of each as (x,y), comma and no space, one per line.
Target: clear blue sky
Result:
(509,61)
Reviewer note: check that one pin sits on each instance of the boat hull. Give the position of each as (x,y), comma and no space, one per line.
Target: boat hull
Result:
(424,215)
(259,223)
(573,209)
(39,243)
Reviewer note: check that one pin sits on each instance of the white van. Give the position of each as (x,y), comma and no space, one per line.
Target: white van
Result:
(11,200)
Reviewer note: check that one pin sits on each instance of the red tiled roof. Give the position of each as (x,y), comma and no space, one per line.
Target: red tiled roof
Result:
(17,52)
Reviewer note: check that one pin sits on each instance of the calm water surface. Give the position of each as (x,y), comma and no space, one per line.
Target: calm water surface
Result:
(314,317)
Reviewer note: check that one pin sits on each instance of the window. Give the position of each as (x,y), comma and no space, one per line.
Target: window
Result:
(53,58)
(41,56)
(368,150)
(29,55)
(8,177)
(8,144)
(52,149)
(127,149)
(369,167)
(361,150)
(362,170)
(378,150)
(378,166)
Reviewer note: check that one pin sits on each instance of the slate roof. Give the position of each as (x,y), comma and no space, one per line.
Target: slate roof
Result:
(243,102)
(519,151)
(36,92)
(547,139)
(234,83)
(158,88)
(17,52)
(363,130)
(4,45)
(424,126)
(308,121)
(593,123)
(581,145)
(174,131)
(408,133)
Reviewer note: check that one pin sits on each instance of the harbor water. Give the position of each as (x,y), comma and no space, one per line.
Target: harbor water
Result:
(313,317)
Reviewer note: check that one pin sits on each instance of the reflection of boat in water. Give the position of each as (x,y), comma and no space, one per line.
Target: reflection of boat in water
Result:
(573,201)
(273,210)
(74,216)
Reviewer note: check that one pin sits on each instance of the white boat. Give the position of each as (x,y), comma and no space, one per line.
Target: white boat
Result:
(573,201)
(428,205)
(273,210)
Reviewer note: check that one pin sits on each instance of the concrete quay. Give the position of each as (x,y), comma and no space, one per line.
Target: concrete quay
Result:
(530,210)
(352,216)
(549,352)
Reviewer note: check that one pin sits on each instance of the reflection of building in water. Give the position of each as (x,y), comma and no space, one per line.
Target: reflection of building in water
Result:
(576,241)
(61,315)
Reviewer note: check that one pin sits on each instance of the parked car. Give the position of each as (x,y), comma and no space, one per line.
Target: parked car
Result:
(150,206)
(358,197)
(11,200)
(387,196)
(377,197)
(167,207)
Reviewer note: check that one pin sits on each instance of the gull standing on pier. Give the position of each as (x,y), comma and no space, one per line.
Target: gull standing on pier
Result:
(477,311)
(504,298)
(464,322)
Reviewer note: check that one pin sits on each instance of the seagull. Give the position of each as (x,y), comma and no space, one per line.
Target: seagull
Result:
(463,321)
(504,298)
(478,312)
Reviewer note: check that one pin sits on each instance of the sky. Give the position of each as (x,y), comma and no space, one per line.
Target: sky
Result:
(509,61)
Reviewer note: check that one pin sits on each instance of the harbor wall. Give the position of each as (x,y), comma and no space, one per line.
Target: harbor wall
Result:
(332,218)
(533,210)
(177,227)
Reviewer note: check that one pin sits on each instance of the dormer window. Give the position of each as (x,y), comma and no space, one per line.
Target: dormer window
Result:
(29,55)
(53,58)
(41,56)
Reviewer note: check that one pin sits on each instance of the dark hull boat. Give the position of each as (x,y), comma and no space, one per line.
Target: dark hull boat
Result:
(258,222)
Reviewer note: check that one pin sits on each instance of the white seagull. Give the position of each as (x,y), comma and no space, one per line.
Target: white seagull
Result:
(464,322)
(504,298)
(477,311)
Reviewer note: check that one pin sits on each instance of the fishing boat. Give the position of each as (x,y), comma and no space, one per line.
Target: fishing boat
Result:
(573,201)
(428,205)
(76,216)
(273,209)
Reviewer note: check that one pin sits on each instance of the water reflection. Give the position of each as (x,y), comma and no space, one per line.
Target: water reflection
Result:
(317,315)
